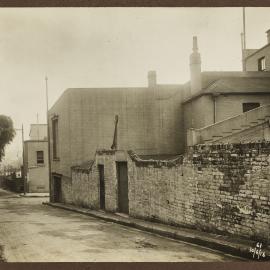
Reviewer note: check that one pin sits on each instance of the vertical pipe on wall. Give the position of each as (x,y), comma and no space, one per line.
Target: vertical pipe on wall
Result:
(48,138)
(214,96)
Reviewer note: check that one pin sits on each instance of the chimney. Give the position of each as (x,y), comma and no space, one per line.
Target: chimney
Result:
(195,68)
(152,78)
(268,36)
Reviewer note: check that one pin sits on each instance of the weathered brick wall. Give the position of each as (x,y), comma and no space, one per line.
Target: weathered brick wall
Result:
(107,158)
(66,190)
(82,188)
(222,189)
(85,188)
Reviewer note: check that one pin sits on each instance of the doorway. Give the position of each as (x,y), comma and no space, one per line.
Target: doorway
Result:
(101,187)
(122,177)
(57,188)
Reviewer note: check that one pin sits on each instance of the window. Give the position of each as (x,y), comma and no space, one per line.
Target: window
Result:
(55,138)
(261,64)
(40,157)
(250,106)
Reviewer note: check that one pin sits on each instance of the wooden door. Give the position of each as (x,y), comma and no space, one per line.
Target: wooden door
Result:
(57,188)
(101,187)
(122,175)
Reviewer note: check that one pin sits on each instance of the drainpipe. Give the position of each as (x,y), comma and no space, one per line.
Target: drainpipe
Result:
(214,96)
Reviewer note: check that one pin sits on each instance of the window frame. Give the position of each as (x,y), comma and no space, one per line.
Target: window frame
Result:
(261,64)
(40,160)
(255,103)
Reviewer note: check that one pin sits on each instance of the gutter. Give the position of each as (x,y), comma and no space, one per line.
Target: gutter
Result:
(224,93)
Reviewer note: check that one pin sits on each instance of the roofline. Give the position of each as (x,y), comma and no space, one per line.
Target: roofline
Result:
(99,88)
(223,93)
(258,50)
(27,141)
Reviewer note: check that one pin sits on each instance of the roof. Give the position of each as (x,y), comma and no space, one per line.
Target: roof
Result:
(240,85)
(258,50)
(83,167)
(165,91)
(233,83)
(38,131)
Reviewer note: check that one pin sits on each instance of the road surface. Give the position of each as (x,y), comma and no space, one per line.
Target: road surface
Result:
(32,232)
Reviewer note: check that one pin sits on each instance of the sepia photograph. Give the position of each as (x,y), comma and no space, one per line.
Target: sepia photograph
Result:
(134,134)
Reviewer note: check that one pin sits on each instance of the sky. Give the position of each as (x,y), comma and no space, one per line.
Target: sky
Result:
(110,47)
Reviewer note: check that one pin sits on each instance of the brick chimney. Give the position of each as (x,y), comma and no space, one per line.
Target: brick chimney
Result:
(195,68)
(268,36)
(152,78)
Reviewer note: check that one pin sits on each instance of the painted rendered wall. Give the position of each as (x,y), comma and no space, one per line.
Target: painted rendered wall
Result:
(199,113)
(37,174)
(149,122)
(231,105)
(252,61)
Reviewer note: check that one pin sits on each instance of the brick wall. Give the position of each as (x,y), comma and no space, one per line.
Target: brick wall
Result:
(82,188)
(222,189)
(85,188)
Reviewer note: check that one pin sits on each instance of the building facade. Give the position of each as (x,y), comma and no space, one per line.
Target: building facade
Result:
(165,176)
(36,169)
(257,59)
(84,120)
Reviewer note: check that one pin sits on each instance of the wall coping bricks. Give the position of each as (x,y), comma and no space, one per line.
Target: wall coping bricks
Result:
(154,162)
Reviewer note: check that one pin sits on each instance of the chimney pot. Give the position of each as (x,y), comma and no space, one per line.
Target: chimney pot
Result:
(152,78)
(195,44)
(195,68)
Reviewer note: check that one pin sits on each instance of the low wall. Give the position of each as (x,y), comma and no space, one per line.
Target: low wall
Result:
(83,187)
(219,188)
(12,184)
(222,189)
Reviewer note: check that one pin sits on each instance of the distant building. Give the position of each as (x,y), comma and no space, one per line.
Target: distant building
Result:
(36,169)
(258,59)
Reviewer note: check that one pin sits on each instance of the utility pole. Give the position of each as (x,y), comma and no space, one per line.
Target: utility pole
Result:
(48,138)
(37,128)
(244,28)
(23,175)
(243,39)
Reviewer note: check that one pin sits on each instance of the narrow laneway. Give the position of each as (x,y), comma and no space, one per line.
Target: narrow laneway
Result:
(32,232)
